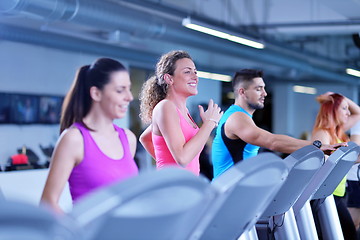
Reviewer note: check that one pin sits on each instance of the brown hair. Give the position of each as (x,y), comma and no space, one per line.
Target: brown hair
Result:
(245,77)
(155,88)
(77,102)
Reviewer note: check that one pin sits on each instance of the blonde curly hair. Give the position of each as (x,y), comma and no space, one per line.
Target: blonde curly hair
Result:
(155,88)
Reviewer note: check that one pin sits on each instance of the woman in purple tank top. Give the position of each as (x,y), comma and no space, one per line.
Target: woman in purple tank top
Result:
(92,152)
(173,138)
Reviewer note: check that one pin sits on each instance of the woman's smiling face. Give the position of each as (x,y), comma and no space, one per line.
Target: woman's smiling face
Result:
(185,77)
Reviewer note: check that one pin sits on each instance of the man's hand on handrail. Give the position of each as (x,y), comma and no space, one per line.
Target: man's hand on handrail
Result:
(328,149)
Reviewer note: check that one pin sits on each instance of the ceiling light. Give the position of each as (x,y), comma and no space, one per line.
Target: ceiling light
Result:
(200,27)
(353,72)
(214,76)
(303,89)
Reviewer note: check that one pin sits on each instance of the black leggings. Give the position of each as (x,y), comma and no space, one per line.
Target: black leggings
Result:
(346,222)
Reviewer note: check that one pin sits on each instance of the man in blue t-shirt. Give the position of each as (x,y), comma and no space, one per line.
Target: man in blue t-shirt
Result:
(237,137)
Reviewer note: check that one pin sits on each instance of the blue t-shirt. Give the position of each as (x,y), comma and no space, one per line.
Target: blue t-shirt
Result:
(226,152)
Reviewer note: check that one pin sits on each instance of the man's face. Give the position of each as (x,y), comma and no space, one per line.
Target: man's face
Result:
(255,93)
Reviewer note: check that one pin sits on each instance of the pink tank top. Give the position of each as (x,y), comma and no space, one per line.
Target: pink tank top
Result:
(163,155)
(98,170)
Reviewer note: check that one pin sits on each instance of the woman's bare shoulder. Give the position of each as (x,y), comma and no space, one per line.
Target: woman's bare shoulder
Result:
(322,135)
(71,136)
(165,106)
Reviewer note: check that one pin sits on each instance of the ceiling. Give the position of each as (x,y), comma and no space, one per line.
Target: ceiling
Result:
(306,40)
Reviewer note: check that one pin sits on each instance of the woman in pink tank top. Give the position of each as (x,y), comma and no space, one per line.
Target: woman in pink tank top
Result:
(92,152)
(173,138)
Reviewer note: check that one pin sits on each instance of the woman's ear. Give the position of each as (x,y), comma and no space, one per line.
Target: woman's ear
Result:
(168,79)
(95,94)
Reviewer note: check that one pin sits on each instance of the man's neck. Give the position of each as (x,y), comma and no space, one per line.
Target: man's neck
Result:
(244,106)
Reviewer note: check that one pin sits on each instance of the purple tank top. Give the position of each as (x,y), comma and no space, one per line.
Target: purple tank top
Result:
(98,170)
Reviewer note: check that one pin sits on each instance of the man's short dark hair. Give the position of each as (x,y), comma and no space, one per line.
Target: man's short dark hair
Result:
(246,76)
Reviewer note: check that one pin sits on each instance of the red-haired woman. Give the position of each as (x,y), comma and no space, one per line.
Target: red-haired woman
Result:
(353,181)
(337,114)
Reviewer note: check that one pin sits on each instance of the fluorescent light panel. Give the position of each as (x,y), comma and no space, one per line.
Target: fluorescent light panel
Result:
(353,72)
(207,30)
(303,89)
(214,76)
(197,27)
